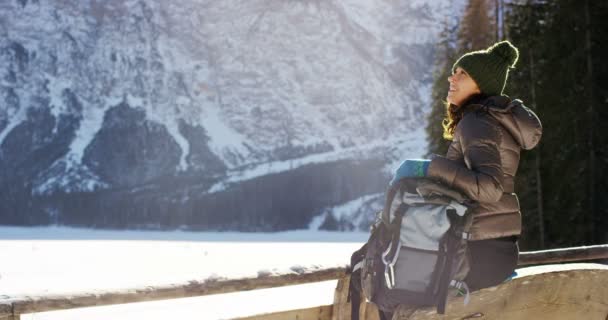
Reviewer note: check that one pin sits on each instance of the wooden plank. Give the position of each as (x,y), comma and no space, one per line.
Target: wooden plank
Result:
(316,313)
(6,311)
(367,311)
(342,308)
(564,255)
(32,304)
(560,295)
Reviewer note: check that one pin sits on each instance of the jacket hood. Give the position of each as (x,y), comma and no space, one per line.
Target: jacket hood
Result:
(521,122)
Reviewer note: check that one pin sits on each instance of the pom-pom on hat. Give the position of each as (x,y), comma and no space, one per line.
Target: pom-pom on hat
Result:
(490,68)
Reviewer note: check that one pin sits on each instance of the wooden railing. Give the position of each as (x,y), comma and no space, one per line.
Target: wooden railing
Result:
(12,308)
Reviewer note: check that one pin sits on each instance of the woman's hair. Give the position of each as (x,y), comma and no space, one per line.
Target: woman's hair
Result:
(455,113)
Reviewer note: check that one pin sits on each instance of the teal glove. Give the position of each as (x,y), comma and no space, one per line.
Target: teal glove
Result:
(411,168)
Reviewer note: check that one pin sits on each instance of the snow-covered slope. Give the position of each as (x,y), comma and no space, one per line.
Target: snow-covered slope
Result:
(156,113)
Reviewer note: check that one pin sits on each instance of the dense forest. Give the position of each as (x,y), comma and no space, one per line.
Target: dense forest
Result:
(562,75)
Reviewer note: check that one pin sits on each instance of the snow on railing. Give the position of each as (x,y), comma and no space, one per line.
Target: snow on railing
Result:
(12,307)
(564,255)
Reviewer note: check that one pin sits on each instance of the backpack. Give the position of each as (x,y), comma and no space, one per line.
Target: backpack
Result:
(417,249)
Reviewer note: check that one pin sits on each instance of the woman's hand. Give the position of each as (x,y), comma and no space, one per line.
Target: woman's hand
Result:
(411,168)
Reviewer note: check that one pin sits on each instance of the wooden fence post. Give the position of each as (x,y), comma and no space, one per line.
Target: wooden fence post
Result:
(342,307)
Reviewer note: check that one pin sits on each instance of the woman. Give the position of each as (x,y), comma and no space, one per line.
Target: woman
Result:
(488,131)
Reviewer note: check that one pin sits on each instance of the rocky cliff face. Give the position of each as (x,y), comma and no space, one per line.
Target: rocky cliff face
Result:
(246,115)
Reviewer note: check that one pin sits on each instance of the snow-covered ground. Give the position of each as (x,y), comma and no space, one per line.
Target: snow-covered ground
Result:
(52,260)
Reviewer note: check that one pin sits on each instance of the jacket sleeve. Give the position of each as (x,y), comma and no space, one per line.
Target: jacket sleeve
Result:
(481,178)
(454,150)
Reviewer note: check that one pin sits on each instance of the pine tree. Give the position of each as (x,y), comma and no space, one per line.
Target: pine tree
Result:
(445,55)
(527,22)
(561,44)
(478,26)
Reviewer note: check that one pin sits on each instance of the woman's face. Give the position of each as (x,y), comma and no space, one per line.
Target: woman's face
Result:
(462,86)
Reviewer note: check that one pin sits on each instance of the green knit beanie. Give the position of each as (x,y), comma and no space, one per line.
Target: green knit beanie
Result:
(490,68)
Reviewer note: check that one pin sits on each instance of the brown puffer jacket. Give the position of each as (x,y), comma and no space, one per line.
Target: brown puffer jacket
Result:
(482,161)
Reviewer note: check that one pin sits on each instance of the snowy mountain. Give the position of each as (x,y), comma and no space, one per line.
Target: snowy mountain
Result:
(242,115)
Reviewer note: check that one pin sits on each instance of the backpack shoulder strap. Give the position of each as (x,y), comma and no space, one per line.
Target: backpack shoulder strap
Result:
(354,296)
(390,196)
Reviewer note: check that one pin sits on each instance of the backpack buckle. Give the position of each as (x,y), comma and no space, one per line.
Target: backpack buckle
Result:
(389,276)
(461,285)
(389,266)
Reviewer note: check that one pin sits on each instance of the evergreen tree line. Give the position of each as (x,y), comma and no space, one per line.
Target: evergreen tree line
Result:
(561,75)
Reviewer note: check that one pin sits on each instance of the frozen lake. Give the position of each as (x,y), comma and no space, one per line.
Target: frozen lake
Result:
(56,260)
